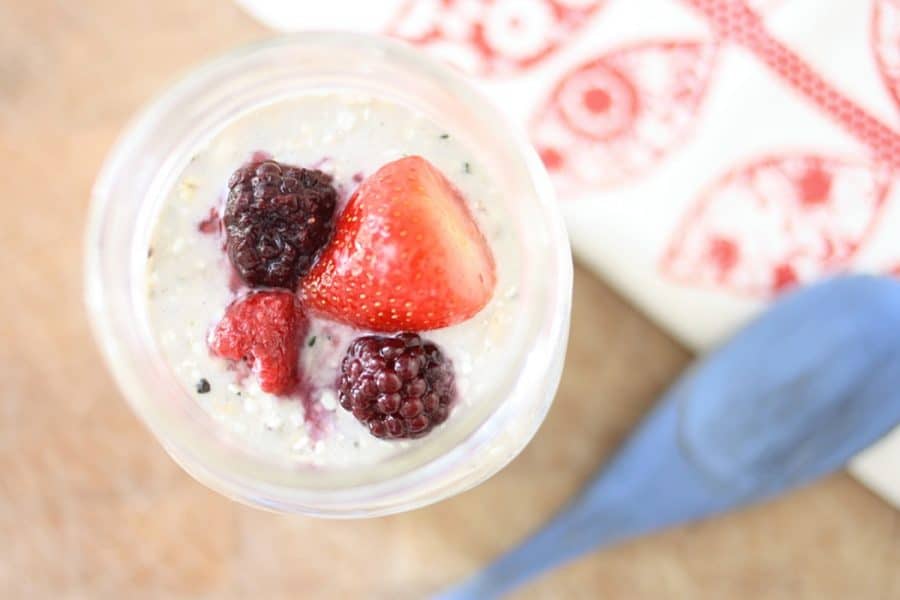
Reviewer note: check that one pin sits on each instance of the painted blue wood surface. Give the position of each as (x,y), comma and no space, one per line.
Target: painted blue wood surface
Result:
(792,397)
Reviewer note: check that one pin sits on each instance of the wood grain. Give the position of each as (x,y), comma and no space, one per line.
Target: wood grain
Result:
(90,506)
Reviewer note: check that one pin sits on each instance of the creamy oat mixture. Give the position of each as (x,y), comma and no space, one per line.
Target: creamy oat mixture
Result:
(189,281)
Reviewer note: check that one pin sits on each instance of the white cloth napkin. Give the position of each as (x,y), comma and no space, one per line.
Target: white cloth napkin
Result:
(709,154)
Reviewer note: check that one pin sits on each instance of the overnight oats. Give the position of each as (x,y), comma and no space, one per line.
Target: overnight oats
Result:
(330,278)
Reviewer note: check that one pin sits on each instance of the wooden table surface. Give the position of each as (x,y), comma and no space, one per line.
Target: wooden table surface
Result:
(90,505)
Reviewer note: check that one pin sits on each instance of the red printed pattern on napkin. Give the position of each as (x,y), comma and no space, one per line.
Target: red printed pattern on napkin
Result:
(612,118)
(735,21)
(761,227)
(491,37)
(758,231)
(783,220)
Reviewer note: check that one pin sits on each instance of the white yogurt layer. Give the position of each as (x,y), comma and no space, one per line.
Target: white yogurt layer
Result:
(347,135)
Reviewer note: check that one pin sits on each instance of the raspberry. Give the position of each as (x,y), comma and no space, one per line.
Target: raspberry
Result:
(401,386)
(265,330)
(277,218)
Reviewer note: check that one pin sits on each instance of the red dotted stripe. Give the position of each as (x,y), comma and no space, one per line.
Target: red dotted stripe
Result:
(734,20)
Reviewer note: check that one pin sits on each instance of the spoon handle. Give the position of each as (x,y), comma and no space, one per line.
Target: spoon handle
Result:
(789,399)
(648,485)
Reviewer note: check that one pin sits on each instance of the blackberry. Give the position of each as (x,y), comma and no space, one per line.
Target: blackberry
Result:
(400,387)
(277,218)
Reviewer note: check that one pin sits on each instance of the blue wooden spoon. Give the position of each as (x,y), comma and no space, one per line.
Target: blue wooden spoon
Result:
(795,395)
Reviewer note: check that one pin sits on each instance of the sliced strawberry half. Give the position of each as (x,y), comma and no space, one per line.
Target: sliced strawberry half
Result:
(265,330)
(406,255)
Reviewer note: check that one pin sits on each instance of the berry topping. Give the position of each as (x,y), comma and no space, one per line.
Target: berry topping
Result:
(265,330)
(276,219)
(401,387)
(406,255)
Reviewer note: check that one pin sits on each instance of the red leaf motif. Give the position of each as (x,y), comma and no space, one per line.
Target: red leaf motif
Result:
(886,43)
(618,115)
(491,37)
(779,221)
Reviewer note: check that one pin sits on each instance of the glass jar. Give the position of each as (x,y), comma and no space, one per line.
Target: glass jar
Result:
(144,165)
